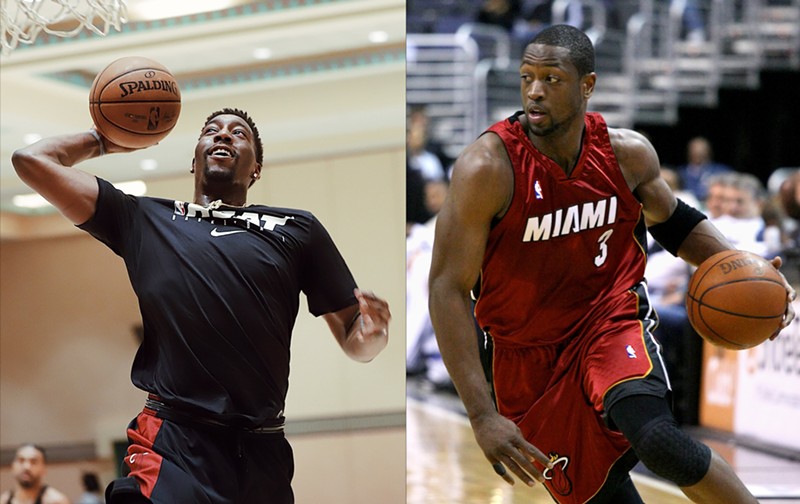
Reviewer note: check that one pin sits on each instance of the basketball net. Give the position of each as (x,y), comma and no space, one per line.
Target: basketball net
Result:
(23,20)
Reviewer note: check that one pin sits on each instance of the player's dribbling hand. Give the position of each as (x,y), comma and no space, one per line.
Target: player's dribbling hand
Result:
(505,448)
(375,315)
(791,295)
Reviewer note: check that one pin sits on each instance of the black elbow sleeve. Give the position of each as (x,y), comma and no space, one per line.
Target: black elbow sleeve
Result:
(671,233)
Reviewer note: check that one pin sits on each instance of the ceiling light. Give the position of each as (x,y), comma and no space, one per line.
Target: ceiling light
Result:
(29,201)
(31,138)
(378,37)
(158,9)
(34,201)
(132,187)
(148,164)
(262,53)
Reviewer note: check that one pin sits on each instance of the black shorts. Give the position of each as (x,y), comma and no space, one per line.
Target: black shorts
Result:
(178,463)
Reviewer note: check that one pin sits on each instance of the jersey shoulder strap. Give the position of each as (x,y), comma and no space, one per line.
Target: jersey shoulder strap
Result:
(41,495)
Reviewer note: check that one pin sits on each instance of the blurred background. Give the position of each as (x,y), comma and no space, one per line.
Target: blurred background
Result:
(712,84)
(324,81)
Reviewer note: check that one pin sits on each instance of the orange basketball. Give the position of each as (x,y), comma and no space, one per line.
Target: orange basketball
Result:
(736,299)
(135,102)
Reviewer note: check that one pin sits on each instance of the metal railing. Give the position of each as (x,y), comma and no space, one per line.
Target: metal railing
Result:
(646,65)
(439,75)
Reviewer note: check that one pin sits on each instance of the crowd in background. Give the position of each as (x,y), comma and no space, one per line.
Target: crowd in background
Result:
(522,19)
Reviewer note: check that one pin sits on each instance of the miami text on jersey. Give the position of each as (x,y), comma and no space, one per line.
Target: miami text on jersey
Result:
(573,219)
(263,222)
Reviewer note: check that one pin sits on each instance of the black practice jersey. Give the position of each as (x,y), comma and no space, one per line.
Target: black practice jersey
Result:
(218,289)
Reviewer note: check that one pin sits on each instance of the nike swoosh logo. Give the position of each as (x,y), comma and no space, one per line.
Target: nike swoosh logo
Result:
(214,232)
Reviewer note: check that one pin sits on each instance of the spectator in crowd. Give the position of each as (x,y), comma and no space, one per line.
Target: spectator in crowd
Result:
(29,468)
(714,203)
(91,490)
(435,194)
(694,23)
(667,282)
(674,182)
(789,199)
(536,15)
(699,167)
(790,195)
(775,233)
(423,153)
(420,159)
(416,208)
(427,169)
(781,209)
(426,173)
(747,198)
(422,350)
(502,13)
(744,202)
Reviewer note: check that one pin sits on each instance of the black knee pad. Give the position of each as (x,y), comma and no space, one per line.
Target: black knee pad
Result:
(671,453)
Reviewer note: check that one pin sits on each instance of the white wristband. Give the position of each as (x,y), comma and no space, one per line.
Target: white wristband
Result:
(99,141)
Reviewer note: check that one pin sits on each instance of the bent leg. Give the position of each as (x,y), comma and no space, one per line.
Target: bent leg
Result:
(626,493)
(669,452)
(719,485)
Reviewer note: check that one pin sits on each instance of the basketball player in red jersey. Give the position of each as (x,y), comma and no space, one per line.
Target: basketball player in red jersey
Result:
(546,219)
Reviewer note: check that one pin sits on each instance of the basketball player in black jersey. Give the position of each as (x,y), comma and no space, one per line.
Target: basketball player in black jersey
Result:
(218,285)
(29,468)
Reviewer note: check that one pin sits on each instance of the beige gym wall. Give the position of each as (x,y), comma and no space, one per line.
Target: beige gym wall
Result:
(67,308)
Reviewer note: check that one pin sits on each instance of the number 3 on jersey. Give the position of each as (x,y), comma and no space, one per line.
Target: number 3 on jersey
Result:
(603,255)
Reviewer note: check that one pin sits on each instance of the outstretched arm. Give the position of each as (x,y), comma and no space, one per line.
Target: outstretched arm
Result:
(480,190)
(362,330)
(640,165)
(47,166)
(642,170)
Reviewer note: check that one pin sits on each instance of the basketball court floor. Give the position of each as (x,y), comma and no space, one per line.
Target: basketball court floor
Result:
(445,465)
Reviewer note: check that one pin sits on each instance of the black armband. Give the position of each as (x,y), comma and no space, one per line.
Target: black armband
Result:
(671,233)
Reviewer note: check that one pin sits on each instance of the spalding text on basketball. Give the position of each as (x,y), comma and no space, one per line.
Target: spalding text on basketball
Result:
(729,266)
(133,87)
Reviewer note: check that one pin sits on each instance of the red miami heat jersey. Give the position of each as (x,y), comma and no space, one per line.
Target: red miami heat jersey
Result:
(568,249)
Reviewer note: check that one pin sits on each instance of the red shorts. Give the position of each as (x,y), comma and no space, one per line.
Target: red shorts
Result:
(173,463)
(558,395)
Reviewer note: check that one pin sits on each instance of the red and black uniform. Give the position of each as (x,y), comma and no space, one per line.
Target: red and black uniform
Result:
(563,297)
(218,290)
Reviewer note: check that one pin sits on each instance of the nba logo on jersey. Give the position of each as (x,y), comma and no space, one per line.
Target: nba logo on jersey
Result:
(631,352)
(180,209)
(537,189)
